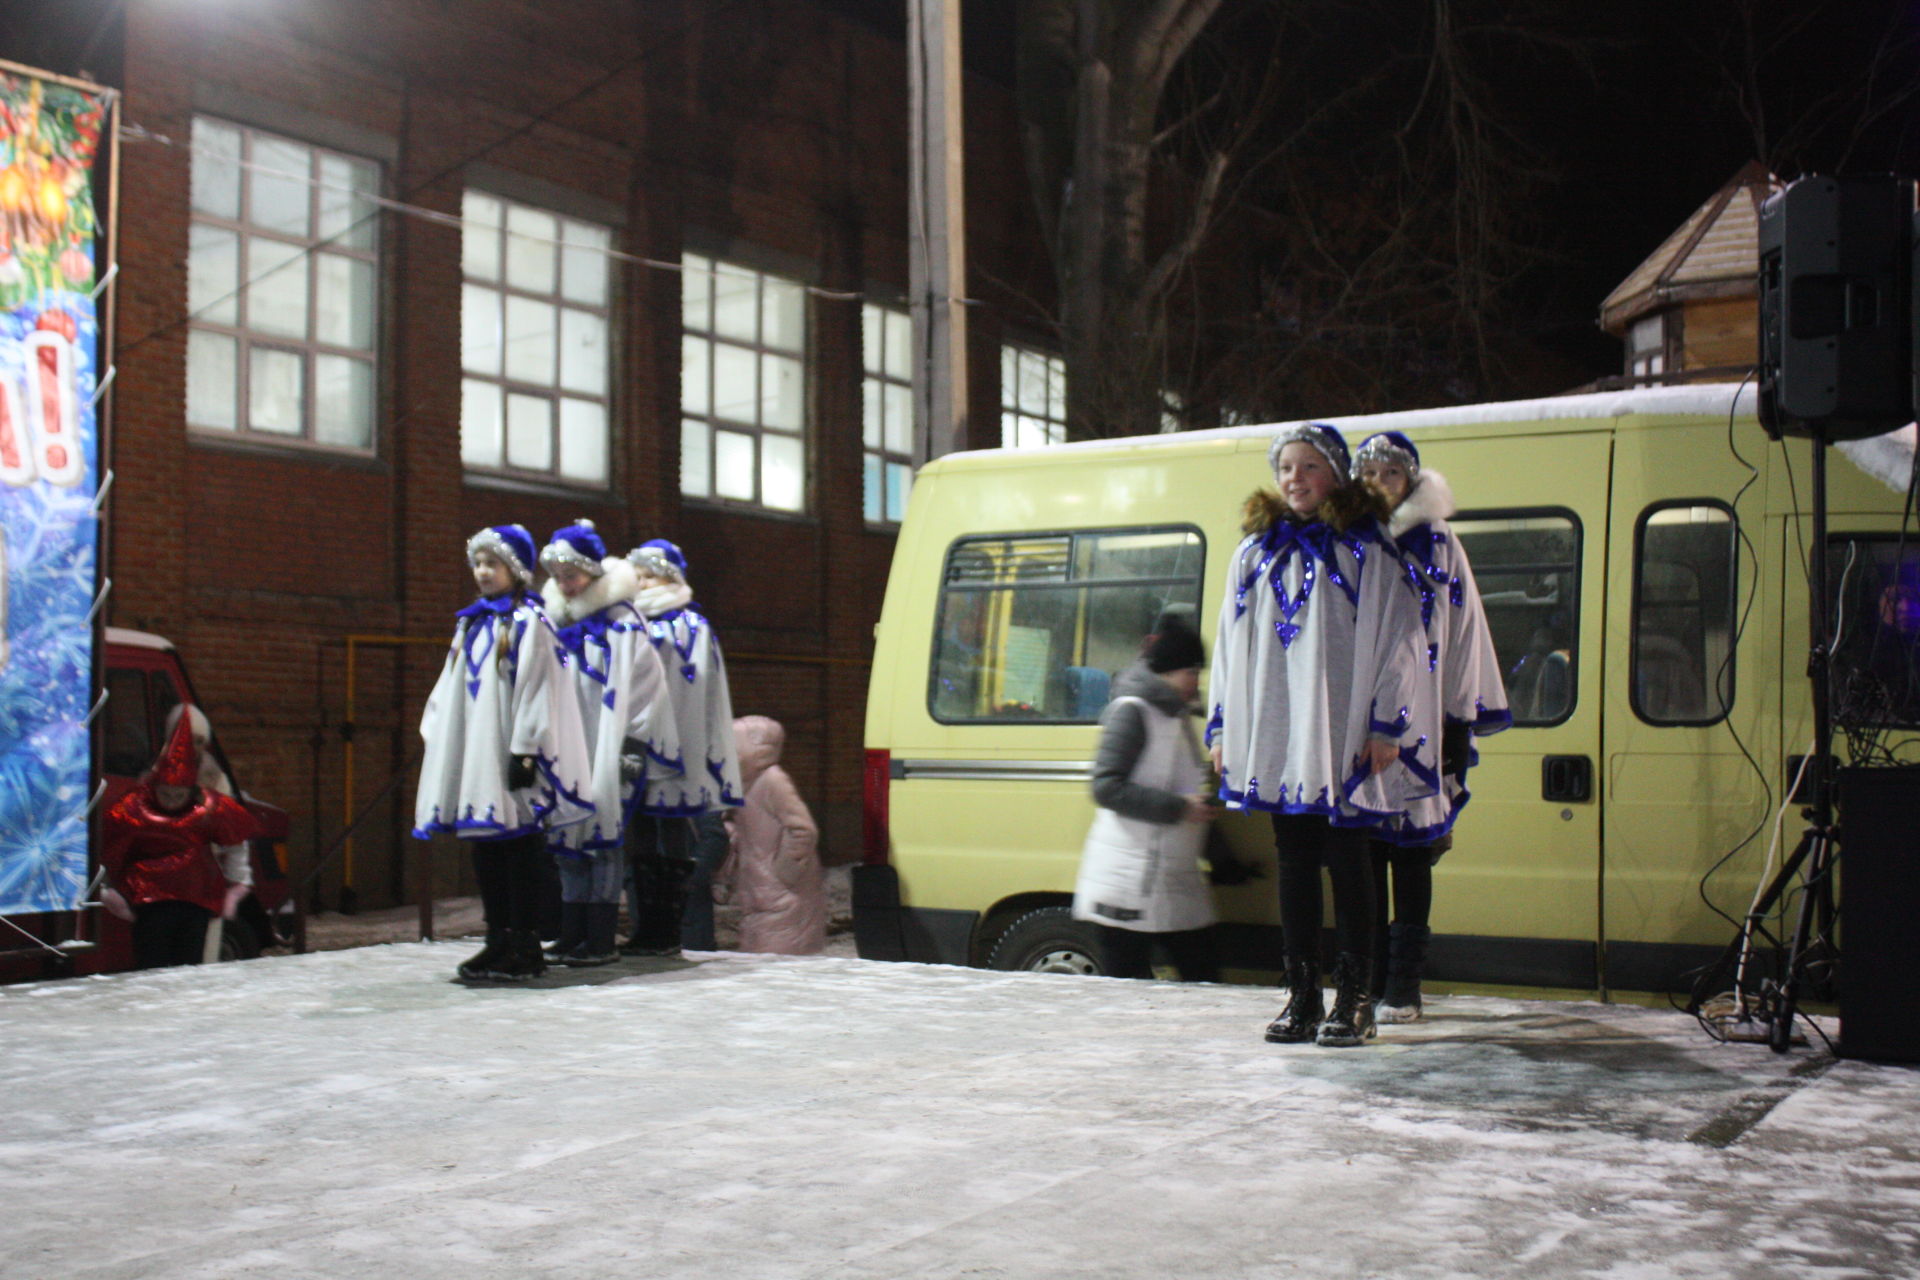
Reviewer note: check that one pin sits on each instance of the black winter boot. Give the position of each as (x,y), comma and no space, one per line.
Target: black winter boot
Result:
(573,932)
(659,904)
(479,965)
(1350,1021)
(1306,1005)
(1406,956)
(602,920)
(522,959)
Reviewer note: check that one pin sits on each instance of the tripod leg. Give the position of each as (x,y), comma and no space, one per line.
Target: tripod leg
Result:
(1782,1029)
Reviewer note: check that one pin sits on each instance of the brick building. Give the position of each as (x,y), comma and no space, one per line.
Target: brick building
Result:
(320,395)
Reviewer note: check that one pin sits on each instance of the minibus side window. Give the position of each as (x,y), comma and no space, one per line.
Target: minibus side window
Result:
(1527,566)
(1033,627)
(1876,631)
(1685,603)
(129,735)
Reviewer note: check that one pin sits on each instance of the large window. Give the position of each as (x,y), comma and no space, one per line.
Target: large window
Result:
(1876,631)
(1033,398)
(1035,626)
(282,264)
(534,347)
(1684,603)
(743,388)
(1527,566)
(887,411)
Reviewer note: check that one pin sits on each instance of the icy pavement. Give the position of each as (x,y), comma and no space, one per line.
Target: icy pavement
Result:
(354,1113)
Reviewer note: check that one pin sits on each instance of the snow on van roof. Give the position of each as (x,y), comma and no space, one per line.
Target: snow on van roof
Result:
(137,639)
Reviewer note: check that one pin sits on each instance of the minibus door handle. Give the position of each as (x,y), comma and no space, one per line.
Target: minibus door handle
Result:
(1566,779)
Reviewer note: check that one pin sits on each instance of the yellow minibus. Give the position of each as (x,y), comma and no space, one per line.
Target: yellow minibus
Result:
(1642,557)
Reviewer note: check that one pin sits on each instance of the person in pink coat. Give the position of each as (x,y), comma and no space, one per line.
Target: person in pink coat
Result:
(773,873)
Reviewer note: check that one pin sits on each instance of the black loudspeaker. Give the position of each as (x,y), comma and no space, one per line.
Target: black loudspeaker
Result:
(1880,914)
(1835,360)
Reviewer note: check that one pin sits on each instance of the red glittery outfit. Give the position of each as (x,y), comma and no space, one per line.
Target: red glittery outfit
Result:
(153,855)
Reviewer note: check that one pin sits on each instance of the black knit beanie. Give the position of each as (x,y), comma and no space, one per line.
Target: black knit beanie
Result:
(1174,645)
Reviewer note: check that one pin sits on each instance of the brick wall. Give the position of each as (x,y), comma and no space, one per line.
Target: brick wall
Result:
(768,123)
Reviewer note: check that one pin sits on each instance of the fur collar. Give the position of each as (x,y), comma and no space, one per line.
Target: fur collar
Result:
(1430,500)
(1344,508)
(619,584)
(654,601)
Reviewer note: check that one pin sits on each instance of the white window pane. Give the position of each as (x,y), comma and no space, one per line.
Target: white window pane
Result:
(530,339)
(216,169)
(276,384)
(480,236)
(783,314)
(479,330)
(1032,384)
(213,274)
(583,352)
(1009,430)
(734,302)
(872,400)
(694,354)
(584,265)
(696,292)
(696,459)
(213,380)
(529,432)
(343,401)
(899,482)
(276,287)
(1009,377)
(872,505)
(1057,392)
(782,392)
(481,429)
(899,418)
(583,440)
(899,345)
(530,248)
(872,337)
(783,472)
(346,214)
(734,395)
(280,186)
(733,465)
(343,301)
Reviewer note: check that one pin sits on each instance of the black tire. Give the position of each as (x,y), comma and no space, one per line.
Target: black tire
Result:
(1048,940)
(237,941)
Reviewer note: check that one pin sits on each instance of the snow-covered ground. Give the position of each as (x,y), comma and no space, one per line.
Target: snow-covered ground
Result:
(354,1113)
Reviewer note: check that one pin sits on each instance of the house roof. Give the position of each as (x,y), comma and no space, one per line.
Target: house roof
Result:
(1715,253)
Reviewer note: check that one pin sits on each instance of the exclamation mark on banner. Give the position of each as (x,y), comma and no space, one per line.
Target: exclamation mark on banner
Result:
(16,464)
(51,406)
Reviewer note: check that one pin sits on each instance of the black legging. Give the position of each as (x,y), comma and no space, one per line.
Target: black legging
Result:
(1128,953)
(1304,843)
(512,880)
(1409,870)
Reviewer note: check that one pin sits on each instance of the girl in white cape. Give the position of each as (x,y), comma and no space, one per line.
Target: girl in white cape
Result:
(1317,669)
(505,762)
(630,730)
(1466,697)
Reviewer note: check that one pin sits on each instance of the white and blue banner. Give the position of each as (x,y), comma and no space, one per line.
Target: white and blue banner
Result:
(50,136)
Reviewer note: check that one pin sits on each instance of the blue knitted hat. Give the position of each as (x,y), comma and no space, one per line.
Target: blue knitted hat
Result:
(661,559)
(1388,446)
(511,544)
(1323,436)
(577,545)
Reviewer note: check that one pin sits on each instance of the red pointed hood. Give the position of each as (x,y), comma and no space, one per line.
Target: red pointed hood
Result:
(179,763)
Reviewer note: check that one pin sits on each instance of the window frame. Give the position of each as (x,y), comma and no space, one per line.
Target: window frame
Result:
(309,247)
(747,262)
(1572,517)
(1634,617)
(888,518)
(555,392)
(1199,579)
(1010,397)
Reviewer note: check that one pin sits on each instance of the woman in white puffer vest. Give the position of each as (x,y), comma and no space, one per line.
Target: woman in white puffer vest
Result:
(1140,880)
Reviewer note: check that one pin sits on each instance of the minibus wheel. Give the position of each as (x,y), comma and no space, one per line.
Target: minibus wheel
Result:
(1048,940)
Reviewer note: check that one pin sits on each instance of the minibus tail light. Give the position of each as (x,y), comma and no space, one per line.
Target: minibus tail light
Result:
(873,807)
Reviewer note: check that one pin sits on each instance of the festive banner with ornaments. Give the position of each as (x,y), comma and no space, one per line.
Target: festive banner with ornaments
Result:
(50,137)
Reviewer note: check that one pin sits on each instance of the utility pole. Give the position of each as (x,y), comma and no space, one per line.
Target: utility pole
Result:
(937,238)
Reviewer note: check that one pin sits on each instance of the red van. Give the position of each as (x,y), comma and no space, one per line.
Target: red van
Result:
(145,679)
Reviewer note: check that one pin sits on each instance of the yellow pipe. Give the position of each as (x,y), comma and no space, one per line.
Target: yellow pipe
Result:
(346,795)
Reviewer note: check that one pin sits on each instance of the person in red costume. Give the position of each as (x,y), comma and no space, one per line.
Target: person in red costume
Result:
(166,842)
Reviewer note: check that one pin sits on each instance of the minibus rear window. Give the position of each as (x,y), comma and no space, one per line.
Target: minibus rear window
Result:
(1033,627)
(1685,597)
(1527,566)
(1876,651)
